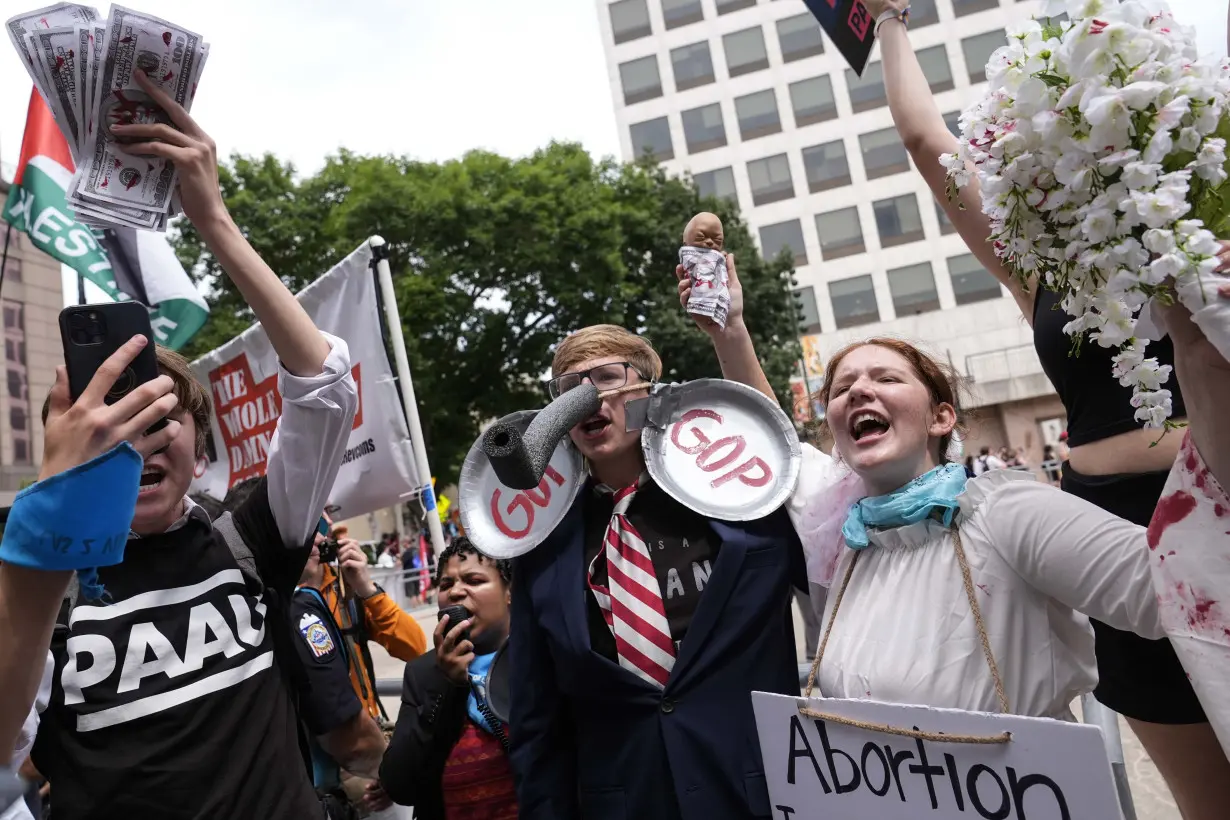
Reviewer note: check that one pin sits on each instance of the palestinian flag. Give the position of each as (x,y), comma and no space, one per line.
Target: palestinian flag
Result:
(127,264)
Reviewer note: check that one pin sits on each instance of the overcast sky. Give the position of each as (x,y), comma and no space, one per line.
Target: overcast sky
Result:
(427,78)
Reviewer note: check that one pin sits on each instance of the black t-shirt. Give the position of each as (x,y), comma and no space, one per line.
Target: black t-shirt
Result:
(330,700)
(682,547)
(168,701)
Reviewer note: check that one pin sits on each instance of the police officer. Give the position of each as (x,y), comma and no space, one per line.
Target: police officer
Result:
(342,734)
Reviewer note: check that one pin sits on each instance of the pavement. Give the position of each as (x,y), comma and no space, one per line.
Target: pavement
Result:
(1150,796)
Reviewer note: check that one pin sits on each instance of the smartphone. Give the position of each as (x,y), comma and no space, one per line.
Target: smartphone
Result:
(456,614)
(92,333)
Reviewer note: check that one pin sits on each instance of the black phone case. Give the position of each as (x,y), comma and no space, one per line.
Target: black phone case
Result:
(123,321)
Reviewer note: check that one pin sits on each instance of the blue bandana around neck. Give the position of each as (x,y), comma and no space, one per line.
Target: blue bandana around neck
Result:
(934,491)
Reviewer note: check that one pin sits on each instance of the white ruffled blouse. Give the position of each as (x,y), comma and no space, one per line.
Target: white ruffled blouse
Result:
(1039,558)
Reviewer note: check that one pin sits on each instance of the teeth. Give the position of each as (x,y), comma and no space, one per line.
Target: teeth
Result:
(861,419)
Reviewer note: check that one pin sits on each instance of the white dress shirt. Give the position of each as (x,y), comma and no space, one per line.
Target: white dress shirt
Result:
(307,446)
(25,741)
(1039,558)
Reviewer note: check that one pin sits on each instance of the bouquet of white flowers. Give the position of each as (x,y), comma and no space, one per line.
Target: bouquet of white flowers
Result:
(1100,149)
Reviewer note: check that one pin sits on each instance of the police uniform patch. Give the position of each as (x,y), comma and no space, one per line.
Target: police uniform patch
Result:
(316,634)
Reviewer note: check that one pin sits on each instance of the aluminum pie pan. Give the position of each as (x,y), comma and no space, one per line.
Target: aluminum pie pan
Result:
(503,522)
(729,452)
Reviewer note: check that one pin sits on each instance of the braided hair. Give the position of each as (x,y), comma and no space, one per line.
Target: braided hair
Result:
(464,546)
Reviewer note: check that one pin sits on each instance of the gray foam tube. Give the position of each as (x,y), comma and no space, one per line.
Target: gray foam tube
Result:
(520,460)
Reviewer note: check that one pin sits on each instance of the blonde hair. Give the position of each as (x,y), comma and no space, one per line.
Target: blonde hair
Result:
(600,341)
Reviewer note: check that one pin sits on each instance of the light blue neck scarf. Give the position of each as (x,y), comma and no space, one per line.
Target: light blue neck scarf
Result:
(934,491)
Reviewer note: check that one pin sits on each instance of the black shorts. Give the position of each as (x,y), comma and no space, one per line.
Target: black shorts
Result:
(1137,677)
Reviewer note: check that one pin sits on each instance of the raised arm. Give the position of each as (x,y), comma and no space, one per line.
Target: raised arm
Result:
(922,130)
(319,397)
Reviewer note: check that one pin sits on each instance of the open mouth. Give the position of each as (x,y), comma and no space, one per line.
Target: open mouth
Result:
(867,426)
(595,427)
(151,479)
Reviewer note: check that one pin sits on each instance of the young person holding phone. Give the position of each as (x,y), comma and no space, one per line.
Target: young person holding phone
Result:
(170,696)
(77,438)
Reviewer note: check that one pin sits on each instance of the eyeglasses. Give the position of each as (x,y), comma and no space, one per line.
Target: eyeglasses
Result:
(604,377)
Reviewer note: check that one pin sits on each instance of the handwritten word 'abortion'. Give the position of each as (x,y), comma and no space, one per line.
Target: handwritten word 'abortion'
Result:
(753,472)
(879,769)
(526,500)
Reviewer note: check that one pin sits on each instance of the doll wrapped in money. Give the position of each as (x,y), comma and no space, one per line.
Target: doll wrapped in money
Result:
(702,257)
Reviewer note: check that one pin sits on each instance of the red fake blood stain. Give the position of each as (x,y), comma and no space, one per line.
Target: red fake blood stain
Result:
(166,37)
(1170,510)
(983,587)
(1219,511)
(1201,613)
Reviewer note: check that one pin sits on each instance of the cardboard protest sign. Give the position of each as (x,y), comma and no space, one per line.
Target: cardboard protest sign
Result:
(1048,770)
(850,27)
(378,466)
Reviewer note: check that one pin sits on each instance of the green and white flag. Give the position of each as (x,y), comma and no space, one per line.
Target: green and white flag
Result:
(127,264)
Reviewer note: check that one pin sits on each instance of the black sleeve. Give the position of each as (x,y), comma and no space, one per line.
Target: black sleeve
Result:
(428,726)
(280,567)
(329,700)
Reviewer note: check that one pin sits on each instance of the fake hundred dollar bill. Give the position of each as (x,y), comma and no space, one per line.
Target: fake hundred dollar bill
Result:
(83,67)
(165,53)
(710,295)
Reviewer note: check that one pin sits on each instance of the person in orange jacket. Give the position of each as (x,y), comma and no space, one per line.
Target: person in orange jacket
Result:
(369,613)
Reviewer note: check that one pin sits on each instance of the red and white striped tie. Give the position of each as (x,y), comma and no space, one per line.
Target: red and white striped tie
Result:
(632,601)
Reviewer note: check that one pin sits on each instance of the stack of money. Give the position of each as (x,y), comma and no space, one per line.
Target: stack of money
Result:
(83,66)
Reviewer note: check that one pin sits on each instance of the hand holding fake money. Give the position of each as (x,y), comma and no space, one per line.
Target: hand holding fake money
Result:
(92,74)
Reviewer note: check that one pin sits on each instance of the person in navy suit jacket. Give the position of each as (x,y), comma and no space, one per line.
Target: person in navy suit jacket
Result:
(594,733)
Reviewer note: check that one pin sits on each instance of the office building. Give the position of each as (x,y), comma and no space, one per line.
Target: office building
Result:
(756,104)
(31,296)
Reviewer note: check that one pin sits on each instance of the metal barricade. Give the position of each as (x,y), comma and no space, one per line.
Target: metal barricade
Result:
(1098,715)
(409,588)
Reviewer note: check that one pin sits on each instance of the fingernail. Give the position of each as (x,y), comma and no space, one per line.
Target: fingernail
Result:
(140,340)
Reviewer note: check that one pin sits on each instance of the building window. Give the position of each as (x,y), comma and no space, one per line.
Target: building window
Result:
(840,232)
(745,51)
(883,153)
(12,270)
(913,289)
(727,6)
(897,220)
(971,282)
(946,226)
(867,92)
(757,114)
(854,301)
(934,62)
(799,37)
(17,379)
(681,12)
(718,183)
(630,20)
(703,128)
(826,166)
(978,50)
(812,101)
(922,13)
(784,236)
(808,316)
(964,7)
(652,137)
(953,120)
(692,65)
(770,179)
(640,80)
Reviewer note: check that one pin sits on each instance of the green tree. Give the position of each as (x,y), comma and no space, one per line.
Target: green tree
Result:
(494,260)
